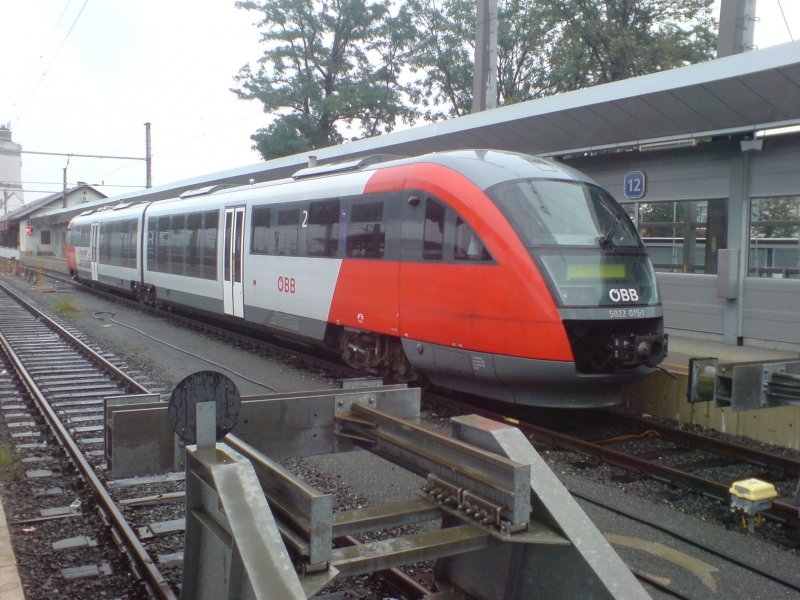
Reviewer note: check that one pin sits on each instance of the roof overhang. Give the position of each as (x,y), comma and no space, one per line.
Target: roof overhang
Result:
(738,94)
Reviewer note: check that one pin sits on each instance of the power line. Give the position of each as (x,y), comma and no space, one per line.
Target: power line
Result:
(71,155)
(785,21)
(47,70)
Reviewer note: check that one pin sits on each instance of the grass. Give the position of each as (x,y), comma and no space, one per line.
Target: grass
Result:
(65,306)
(7,464)
(6,457)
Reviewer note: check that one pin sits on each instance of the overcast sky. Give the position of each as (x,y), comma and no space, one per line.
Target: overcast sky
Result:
(83,76)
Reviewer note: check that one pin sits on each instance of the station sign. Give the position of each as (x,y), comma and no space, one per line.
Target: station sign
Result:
(634,185)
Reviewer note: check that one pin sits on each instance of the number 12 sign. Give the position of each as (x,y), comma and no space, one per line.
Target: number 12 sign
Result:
(634,185)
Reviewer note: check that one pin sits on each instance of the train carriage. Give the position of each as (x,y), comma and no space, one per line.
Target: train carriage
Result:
(491,272)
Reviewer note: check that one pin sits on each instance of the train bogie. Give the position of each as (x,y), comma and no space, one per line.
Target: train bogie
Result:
(490,272)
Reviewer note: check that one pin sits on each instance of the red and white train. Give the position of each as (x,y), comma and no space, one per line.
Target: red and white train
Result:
(496,273)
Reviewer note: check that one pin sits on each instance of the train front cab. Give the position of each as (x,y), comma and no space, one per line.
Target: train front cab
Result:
(565,312)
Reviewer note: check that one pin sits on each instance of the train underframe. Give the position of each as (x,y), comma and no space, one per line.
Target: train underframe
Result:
(373,353)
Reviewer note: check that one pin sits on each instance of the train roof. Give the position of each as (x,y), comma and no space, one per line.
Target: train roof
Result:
(485,168)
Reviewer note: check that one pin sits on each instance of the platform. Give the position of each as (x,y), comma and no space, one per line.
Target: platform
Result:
(664,394)
(682,348)
(10,585)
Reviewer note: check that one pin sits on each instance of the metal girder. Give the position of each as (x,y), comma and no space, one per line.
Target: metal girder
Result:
(507,528)
(233,547)
(744,385)
(458,468)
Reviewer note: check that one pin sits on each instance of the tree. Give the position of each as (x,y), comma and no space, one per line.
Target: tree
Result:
(600,41)
(328,64)
(550,46)
(442,49)
(775,217)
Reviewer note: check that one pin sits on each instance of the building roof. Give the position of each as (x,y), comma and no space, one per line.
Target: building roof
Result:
(40,203)
(737,94)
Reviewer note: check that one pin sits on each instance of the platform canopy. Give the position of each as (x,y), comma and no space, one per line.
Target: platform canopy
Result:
(738,94)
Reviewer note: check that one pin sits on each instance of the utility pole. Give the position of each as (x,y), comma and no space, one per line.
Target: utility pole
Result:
(64,194)
(736,27)
(148,157)
(484,77)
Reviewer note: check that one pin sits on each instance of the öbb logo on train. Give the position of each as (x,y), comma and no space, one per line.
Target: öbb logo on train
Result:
(623,295)
(287,285)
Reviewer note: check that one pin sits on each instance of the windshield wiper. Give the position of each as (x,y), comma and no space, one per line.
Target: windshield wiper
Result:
(605,241)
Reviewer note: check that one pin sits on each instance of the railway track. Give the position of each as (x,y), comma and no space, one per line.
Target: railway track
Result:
(663,441)
(678,441)
(646,465)
(226,331)
(61,384)
(58,384)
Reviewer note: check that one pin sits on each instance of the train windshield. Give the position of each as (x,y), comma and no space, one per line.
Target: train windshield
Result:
(590,251)
(563,213)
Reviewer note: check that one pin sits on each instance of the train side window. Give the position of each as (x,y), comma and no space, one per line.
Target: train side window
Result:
(194,249)
(259,235)
(322,235)
(163,244)
(105,243)
(433,232)
(178,245)
(366,231)
(124,243)
(209,244)
(287,232)
(468,246)
(152,236)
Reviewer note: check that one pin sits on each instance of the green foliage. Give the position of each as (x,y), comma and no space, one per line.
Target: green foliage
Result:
(7,464)
(6,457)
(328,64)
(332,69)
(600,41)
(442,49)
(65,306)
(775,217)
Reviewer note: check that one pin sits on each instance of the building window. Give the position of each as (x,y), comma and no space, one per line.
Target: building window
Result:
(45,238)
(774,237)
(684,236)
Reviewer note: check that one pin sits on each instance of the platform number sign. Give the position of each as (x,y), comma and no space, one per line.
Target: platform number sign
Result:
(634,185)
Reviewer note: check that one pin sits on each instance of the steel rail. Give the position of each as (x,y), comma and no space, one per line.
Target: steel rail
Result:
(130,383)
(780,511)
(216,327)
(142,560)
(714,445)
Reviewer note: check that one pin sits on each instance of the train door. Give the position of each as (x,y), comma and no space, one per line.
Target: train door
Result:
(422,311)
(94,248)
(442,291)
(233,289)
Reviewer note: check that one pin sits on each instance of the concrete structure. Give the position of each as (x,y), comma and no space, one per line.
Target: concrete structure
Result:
(32,230)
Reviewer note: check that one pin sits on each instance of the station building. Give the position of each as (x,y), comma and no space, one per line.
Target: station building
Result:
(32,230)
